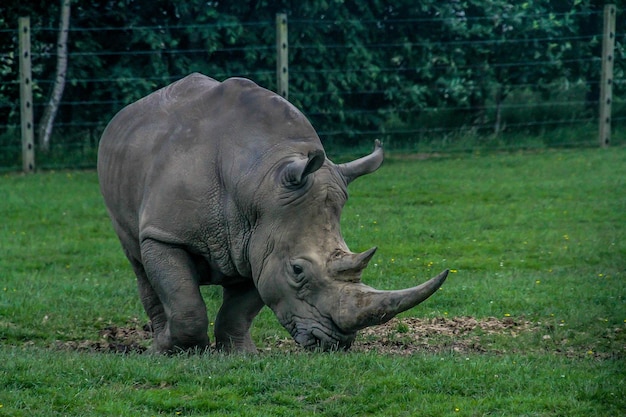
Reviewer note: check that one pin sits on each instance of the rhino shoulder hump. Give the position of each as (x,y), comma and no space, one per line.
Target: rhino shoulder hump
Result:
(240,83)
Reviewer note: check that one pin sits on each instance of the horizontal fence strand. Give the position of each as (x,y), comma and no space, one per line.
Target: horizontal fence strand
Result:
(412,101)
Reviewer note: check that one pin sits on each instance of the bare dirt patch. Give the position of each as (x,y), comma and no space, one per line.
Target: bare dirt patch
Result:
(399,336)
(134,337)
(456,334)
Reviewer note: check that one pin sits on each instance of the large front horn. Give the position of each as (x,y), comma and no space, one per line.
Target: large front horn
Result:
(362,306)
(362,166)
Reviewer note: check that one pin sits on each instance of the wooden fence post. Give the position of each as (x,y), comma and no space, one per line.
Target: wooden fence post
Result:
(606,79)
(282,56)
(26,96)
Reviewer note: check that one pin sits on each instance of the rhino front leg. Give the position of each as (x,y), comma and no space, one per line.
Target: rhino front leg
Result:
(173,276)
(241,303)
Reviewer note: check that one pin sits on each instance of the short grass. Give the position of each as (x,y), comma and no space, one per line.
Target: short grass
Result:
(536,236)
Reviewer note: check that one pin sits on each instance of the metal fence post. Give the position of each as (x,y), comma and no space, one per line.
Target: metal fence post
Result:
(282,56)
(606,79)
(26,96)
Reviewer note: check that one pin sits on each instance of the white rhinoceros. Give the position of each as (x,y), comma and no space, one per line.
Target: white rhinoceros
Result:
(226,183)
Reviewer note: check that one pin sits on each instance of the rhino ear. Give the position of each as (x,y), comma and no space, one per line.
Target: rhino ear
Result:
(295,172)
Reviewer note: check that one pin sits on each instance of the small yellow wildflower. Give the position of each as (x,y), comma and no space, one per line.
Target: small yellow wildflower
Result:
(507,315)
(457,409)
(454,271)
(538,281)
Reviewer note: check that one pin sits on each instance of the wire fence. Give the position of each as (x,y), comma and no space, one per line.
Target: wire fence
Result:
(563,106)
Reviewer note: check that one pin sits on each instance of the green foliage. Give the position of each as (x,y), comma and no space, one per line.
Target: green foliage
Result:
(407,73)
(531,236)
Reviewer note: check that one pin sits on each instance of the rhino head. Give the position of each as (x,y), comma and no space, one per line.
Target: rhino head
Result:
(302,266)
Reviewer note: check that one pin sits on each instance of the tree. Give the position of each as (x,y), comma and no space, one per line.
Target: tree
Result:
(47,120)
(401,70)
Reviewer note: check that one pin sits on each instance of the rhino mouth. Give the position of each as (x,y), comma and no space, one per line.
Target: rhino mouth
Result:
(313,335)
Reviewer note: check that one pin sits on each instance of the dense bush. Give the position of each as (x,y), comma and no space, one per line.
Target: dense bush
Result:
(411,70)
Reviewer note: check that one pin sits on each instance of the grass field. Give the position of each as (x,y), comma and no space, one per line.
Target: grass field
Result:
(537,247)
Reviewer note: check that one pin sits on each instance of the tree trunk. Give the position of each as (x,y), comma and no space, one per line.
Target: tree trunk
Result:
(47,120)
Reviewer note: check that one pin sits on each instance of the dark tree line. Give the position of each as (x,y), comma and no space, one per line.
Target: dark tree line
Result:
(356,67)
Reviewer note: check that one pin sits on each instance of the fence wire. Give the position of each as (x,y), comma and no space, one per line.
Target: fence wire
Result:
(530,108)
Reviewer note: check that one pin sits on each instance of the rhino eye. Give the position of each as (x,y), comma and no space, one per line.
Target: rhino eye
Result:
(297,269)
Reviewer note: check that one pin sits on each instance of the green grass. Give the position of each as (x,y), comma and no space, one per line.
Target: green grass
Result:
(305,384)
(537,236)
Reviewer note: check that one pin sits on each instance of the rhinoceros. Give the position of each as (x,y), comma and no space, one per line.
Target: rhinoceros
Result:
(227,183)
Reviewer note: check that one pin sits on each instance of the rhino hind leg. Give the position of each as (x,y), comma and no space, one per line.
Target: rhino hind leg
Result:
(241,303)
(171,297)
(149,299)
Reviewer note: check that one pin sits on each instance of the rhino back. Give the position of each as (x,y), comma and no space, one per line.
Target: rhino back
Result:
(184,164)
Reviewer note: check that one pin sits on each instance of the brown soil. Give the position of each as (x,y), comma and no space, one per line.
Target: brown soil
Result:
(399,336)
(133,337)
(455,334)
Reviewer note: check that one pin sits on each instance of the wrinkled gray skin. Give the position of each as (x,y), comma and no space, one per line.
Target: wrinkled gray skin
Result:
(228,184)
